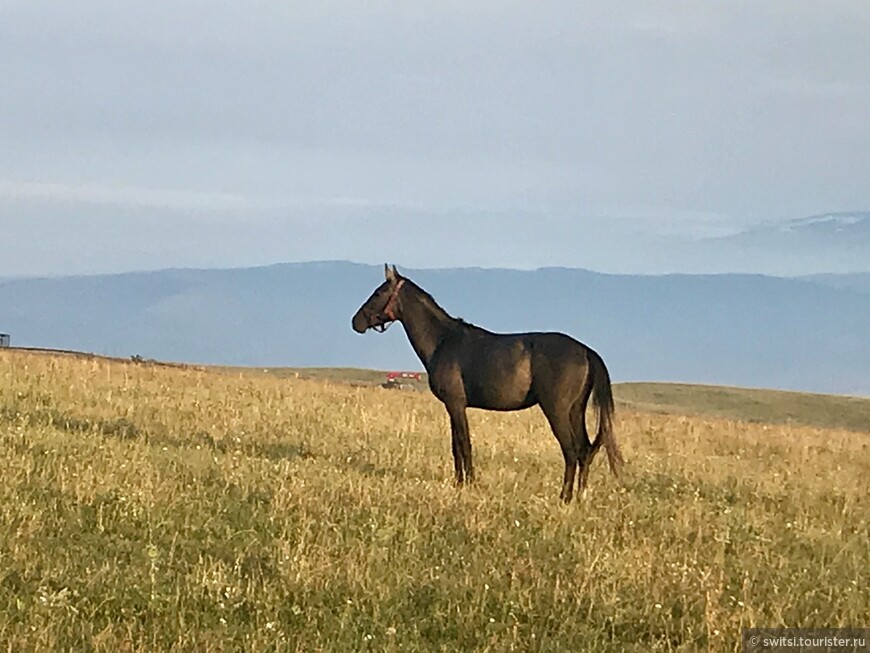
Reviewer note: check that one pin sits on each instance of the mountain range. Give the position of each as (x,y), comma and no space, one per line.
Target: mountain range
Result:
(834,242)
(808,333)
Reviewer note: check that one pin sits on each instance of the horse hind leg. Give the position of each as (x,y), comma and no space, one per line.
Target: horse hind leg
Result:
(585,448)
(570,456)
(560,423)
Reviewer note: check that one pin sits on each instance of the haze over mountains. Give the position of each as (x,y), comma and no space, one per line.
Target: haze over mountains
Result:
(108,238)
(806,333)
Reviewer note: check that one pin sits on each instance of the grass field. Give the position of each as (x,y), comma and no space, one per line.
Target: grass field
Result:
(145,508)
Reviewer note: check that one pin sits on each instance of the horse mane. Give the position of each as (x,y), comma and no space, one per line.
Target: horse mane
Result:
(427,299)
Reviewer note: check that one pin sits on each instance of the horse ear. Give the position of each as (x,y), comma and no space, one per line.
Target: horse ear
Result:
(396,273)
(389,274)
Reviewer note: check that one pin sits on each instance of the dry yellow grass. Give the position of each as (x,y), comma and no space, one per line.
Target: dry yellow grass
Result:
(154,509)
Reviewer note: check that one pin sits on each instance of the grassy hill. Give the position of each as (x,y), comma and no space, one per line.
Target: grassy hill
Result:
(149,508)
(754,405)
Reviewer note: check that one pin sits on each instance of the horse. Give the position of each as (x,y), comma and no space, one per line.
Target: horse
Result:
(470,367)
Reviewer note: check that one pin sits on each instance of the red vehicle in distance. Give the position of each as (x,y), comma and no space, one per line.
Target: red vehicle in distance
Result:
(401,379)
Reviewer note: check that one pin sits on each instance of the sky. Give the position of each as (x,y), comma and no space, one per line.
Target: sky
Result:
(608,135)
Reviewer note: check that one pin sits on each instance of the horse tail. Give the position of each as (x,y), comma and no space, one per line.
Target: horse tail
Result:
(602,396)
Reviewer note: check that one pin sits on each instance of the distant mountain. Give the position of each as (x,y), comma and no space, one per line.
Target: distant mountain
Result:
(839,242)
(845,229)
(843,223)
(748,330)
(859,281)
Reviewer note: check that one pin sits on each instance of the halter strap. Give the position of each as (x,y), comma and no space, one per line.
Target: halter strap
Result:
(389,311)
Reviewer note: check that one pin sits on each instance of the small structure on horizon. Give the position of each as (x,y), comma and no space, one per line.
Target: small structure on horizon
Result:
(398,379)
(4,339)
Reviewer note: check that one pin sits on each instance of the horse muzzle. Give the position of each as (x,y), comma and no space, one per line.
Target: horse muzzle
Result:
(359,323)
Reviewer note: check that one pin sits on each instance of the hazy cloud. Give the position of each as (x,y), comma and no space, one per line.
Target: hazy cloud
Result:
(610,120)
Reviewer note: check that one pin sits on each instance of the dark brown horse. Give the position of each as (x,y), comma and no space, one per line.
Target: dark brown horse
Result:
(470,367)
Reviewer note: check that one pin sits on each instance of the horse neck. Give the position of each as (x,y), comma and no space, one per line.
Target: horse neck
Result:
(425,323)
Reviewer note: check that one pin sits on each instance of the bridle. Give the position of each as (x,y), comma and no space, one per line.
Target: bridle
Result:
(389,310)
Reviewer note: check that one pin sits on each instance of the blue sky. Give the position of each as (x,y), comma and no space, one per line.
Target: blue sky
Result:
(603,135)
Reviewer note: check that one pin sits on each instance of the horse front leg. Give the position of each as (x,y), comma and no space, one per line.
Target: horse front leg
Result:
(457,453)
(461,441)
